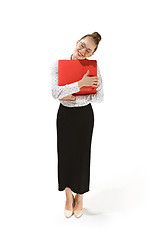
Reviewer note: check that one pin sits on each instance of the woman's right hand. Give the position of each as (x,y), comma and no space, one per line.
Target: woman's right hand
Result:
(69,97)
(89,81)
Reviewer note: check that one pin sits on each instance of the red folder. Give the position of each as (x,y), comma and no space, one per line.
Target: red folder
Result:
(70,71)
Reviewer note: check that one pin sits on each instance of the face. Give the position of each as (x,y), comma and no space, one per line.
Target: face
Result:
(84,48)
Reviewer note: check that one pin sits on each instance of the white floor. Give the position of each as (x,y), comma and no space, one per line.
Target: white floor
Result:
(128,208)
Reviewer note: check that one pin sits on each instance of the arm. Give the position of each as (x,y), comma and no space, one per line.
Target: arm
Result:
(94,97)
(70,96)
(59,92)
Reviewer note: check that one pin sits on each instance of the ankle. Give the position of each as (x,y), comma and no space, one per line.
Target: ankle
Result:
(79,198)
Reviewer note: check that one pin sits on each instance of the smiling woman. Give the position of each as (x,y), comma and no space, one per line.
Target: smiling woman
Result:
(83,45)
(86,46)
(75,122)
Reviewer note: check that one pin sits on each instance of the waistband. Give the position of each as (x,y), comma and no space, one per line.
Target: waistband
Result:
(89,104)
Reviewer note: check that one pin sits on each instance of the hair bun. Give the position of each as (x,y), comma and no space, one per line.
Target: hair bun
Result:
(97,35)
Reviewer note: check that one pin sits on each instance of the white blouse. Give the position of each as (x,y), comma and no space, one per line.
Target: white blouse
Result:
(59,92)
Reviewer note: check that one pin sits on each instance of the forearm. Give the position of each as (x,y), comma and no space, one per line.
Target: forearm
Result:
(63,91)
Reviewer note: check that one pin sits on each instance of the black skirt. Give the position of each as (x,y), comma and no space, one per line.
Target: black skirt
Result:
(74,136)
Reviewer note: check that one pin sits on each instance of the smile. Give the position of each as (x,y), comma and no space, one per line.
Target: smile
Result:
(79,54)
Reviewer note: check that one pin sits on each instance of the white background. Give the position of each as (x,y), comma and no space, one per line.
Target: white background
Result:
(123,201)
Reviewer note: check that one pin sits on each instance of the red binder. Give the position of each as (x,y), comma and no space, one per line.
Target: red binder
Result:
(70,71)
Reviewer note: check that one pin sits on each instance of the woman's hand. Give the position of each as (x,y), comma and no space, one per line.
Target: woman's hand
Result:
(88,80)
(70,97)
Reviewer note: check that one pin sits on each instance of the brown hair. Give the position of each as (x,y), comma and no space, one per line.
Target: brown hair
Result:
(96,38)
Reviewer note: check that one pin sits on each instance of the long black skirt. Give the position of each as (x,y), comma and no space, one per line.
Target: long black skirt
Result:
(74,137)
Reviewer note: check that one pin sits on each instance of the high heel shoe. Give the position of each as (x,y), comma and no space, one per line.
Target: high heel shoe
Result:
(68,213)
(78,213)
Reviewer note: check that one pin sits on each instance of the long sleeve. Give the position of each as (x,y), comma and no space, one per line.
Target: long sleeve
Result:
(94,97)
(59,92)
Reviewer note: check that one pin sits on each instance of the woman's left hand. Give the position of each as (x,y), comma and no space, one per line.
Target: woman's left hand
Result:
(70,97)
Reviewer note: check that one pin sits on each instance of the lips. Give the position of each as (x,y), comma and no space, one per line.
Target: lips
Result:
(80,54)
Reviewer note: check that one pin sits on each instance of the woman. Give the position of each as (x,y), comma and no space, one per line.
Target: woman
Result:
(75,121)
